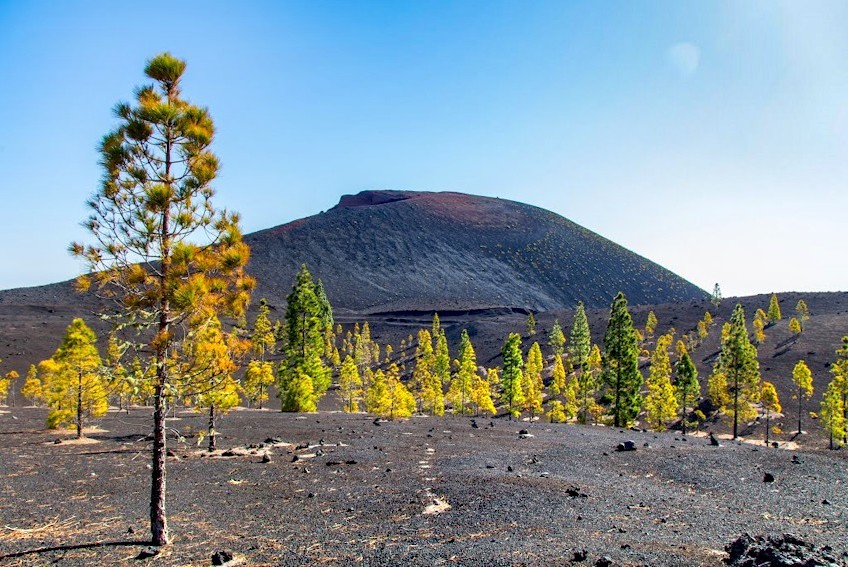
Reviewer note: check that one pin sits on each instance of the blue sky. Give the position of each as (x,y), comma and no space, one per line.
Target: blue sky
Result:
(710,137)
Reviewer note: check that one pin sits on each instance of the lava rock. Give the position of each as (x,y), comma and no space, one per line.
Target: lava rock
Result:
(768,477)
(713,441)
(628,445)
(147,553)
(776,551)
(222,557)
(266,458)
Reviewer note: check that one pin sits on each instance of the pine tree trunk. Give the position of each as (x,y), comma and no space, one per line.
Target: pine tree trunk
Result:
(158,521)
(79,405)
(768,415)
(211,428)
(799,410)
(735,406)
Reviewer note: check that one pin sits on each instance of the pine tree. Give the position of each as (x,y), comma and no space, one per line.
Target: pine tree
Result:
(481,395)
(350,385)
(531,384)
(162,250)
(708,319)
(759,333)
(73,379)
(32,389)
(838,424)
(771,403)
(587,385)
(621,364)
(459,393)
(556,339)
(427,386)
(401,403)
(558,377)
(833,409)
(258,377)
(512,376)
(208,365)
(686,385)
(774,310)
(262,337)
(716,296)
(581,341)
(794,326)
(717,391)
(703,330)
(443,360)
(6,384)
(803,379)
(738,361)
(650,324)
(556,413)
(531,325)
(661,402)
(802,311)
(304,348)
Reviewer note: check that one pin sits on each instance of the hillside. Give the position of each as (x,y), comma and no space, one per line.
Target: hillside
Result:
(390,251)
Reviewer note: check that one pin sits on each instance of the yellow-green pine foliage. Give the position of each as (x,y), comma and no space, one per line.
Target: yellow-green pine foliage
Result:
(587,386)
(531,324)
(207,372)
(703,330)
(512,376)
(481,395)
(651,324)
(759,330)
(426,386)
(556,339)
(555,412)
(708,319)
(839,369)
(262,337)
(738,361)
(304,348)
(32,389)
(802,311)
(376,397)
(774,309)
(73,379)
(771,404)
(558,383)
(717,391)
(461,387)
(834,408)
(794,326)
(401,401)
(258,377)
(803,379)
(661,402)
(443,360)
(6,383)
(350,385)
(162,250)
(493,379)
(531,384)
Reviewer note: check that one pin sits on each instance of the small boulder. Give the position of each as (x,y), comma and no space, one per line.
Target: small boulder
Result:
(147,553)
(222,557)
(768,477)
(628,445)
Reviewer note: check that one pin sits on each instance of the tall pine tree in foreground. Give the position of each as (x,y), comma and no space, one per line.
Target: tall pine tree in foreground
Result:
(687,387)
(512,375)
(661,402)
(621,364)
(771,404)
(162,251)
(803,379)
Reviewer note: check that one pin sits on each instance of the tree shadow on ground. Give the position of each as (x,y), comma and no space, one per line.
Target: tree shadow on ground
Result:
(125,543)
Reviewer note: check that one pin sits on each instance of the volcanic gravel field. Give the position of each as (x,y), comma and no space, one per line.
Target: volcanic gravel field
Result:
(344,489)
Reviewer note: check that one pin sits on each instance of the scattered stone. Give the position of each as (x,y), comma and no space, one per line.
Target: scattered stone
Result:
(777,551)
(775,444)
(490,466)
(713,441)
(580,556)
(509,468)
(826,502)
(545,475)
(376,421)
(273,440)
(605,561)
(796,460)
(222,557)
(295,458)
(170,453)
(474,424)
(574,492)
(768,477)
(525,435)
(302,446)
(333,463)
(147,552)
(266,458)
(311,495)
(646,445)
(350,462)
(228,453)
(628,445)
(57,441)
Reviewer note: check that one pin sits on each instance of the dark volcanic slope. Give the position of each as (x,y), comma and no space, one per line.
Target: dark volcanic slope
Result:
(384,251)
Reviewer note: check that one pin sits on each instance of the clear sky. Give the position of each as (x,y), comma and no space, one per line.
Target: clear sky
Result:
(710,137)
